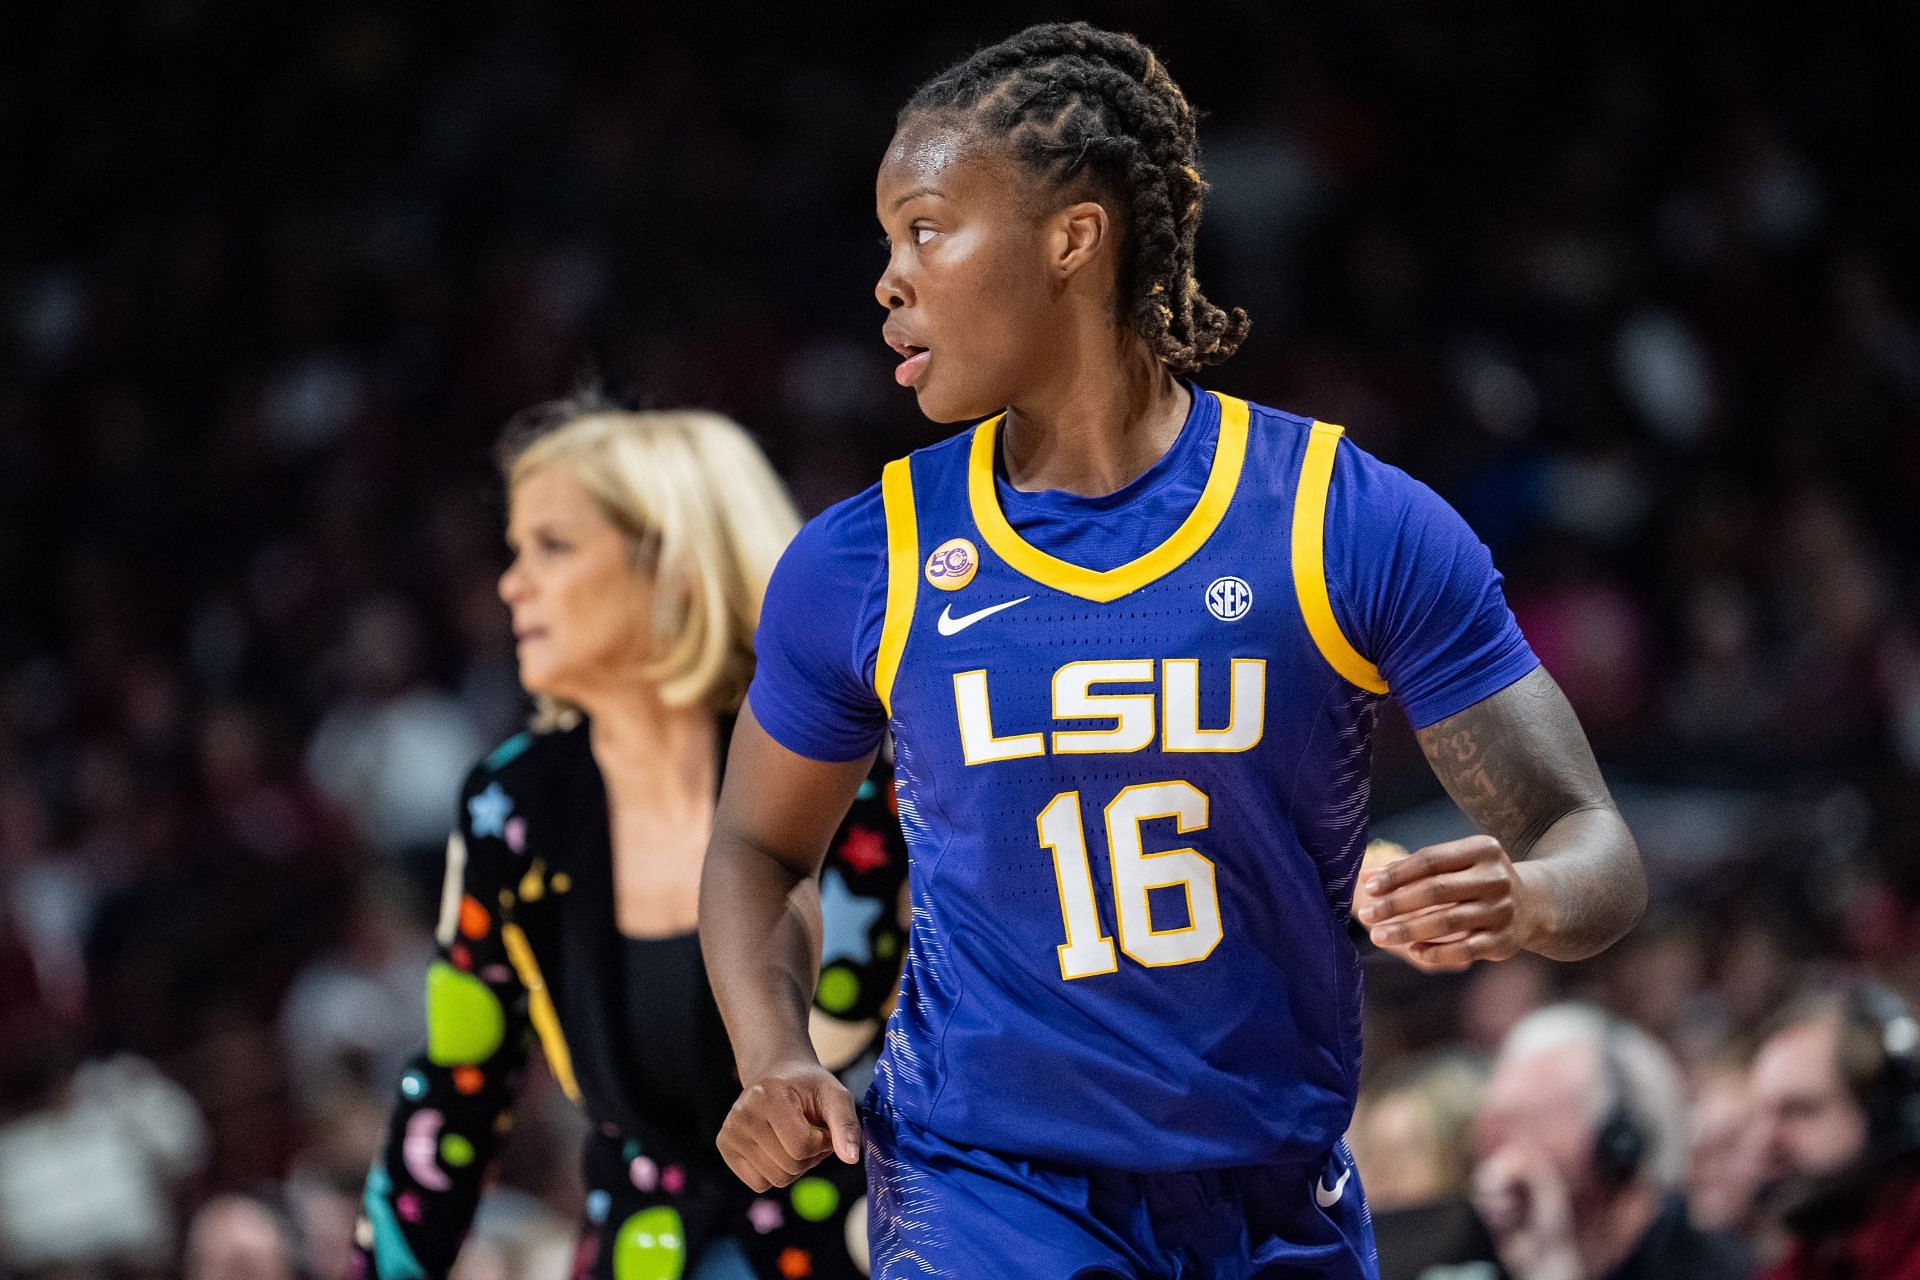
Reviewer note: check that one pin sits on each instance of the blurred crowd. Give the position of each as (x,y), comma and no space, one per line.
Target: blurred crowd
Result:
(1633,286)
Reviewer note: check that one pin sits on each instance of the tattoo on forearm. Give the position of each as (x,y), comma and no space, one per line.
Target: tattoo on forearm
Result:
(1515,763)
(1518,765)
(1491,789)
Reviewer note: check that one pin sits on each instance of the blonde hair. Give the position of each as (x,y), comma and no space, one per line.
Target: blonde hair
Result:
(696,495)
(1446,1087)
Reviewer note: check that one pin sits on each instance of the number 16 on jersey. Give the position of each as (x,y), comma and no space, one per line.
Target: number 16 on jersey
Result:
(1088,951)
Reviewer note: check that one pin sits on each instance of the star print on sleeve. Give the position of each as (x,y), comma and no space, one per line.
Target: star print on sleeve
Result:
(488,811)
(847,920)
(766,1216)
(864,849)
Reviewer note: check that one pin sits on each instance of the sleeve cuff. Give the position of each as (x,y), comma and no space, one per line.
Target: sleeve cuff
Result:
(1452,699)
(827,749)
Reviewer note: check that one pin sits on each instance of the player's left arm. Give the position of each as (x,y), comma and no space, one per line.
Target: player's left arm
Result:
(1556,872)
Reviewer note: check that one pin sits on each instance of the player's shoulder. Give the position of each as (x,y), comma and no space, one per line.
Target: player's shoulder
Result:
(955,446)
(1376,493)
(1275,438)
(1358,474)
(1274,448)
(857,526)
(848,536)
(1283,432)
(942,462)
(1266,420)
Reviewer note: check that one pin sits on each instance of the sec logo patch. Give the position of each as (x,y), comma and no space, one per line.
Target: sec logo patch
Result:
(953,564)
(1229,598)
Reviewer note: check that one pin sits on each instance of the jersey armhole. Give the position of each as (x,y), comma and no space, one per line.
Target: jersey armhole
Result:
(1310,562)
(903,575)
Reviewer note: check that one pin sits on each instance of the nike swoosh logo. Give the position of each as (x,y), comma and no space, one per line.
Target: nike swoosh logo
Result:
(1327,1197)
(952,626)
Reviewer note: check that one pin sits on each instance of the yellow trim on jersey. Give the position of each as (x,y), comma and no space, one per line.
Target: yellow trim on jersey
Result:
(546,1019)
(1105,586)
(903,575)
(1310,563)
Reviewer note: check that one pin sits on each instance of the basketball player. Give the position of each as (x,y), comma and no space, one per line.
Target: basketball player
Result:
(1130,635)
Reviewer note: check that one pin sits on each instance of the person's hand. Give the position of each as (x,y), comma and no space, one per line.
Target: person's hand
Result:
(1449,905)
(787,1121)
(1523,1200)
(1378,854)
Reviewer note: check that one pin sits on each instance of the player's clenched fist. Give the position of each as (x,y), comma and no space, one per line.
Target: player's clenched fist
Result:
(786,1122)
(1450,904)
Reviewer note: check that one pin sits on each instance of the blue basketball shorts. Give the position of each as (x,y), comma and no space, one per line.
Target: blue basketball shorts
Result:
(938,1210)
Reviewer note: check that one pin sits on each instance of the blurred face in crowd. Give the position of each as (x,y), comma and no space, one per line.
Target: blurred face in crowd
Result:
(1723,1153)
(1811,1124)
(1546,1101)
(233,1238)
(577,588)
(1397,1146)
(1497,996)
(971,286)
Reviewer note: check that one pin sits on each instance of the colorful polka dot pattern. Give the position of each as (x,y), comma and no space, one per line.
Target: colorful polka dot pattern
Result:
(465,1023)
(815,1199)
(651,1245)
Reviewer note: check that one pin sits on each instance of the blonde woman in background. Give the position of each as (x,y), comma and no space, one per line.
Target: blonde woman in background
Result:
(642,544)
(1410,1140)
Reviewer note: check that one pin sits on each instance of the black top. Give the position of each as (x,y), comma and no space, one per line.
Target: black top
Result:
(556,789)
(667,1005)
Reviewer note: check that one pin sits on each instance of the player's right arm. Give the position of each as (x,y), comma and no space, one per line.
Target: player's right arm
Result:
(804,742)
(1421,616)
(759,932)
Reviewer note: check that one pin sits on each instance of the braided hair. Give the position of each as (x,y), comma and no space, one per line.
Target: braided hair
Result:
(1094,110)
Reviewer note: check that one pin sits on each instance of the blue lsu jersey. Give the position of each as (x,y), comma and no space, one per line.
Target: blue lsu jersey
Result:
(1136,801)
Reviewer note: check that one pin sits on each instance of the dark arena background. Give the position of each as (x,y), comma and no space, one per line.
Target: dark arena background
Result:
(1636,287)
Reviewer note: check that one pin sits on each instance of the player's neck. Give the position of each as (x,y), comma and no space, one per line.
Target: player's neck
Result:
(1103,419)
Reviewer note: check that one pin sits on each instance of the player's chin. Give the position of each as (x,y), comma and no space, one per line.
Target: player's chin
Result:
(948,400)
(943,411)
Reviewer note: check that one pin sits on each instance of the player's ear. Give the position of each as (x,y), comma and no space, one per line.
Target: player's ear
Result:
(1077,235)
